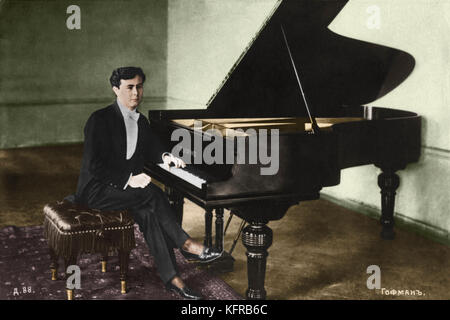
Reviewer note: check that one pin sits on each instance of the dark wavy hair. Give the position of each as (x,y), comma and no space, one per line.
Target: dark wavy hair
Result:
(125,73)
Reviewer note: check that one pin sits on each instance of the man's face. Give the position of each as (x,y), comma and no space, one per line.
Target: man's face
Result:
(130,92)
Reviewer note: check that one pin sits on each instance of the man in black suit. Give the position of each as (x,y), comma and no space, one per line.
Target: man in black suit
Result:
(118,142)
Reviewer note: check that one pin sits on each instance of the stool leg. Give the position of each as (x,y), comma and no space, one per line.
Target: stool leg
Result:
(53,264)
(72,260)
(124,257)
(69,294)
(104,260)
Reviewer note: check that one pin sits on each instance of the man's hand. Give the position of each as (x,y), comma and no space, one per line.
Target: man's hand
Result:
(139,181)
(170,159)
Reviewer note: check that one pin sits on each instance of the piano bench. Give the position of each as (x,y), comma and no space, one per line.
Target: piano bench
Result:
(71,229)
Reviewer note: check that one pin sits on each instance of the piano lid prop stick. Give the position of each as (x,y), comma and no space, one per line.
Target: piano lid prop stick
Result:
(314,126)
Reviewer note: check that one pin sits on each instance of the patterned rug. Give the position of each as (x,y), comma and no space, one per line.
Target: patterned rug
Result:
(25,273)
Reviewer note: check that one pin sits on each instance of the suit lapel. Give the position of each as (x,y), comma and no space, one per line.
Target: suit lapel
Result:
(141,134)
(119,132)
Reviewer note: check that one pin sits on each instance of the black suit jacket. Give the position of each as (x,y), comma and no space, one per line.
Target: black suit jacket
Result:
(105,146)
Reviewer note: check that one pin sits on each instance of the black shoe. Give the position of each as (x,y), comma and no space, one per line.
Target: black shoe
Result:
(207,255)
(185,292)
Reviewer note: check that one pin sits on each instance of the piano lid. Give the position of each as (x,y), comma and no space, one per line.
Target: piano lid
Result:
(334,70)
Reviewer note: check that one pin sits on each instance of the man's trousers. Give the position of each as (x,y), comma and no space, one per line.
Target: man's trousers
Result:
(151,210)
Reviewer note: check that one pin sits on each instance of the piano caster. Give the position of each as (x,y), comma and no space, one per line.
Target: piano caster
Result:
(388,181)
(257,238)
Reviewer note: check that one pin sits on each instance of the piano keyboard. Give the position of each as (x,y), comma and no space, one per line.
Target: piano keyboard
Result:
(185,175)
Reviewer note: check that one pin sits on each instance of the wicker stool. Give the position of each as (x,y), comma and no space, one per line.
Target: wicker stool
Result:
(71,230)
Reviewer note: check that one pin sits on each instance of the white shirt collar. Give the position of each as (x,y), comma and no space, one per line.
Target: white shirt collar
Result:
(127,113)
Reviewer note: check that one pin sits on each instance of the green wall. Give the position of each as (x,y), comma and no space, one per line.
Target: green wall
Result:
(52,78)
(205,39)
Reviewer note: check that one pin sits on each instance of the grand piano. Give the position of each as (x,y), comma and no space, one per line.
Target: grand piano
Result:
(310,89)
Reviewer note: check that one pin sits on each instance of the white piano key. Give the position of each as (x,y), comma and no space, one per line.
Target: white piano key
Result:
(183,174)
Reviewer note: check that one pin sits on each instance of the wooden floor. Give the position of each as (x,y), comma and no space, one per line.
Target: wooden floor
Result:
(320,250)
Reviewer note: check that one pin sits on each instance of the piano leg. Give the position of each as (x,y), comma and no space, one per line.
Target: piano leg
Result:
(257,238)
(388,181)
(219,229)
(208,228)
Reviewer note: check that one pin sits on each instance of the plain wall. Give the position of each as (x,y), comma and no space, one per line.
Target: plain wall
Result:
(52,78)
(206,38)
